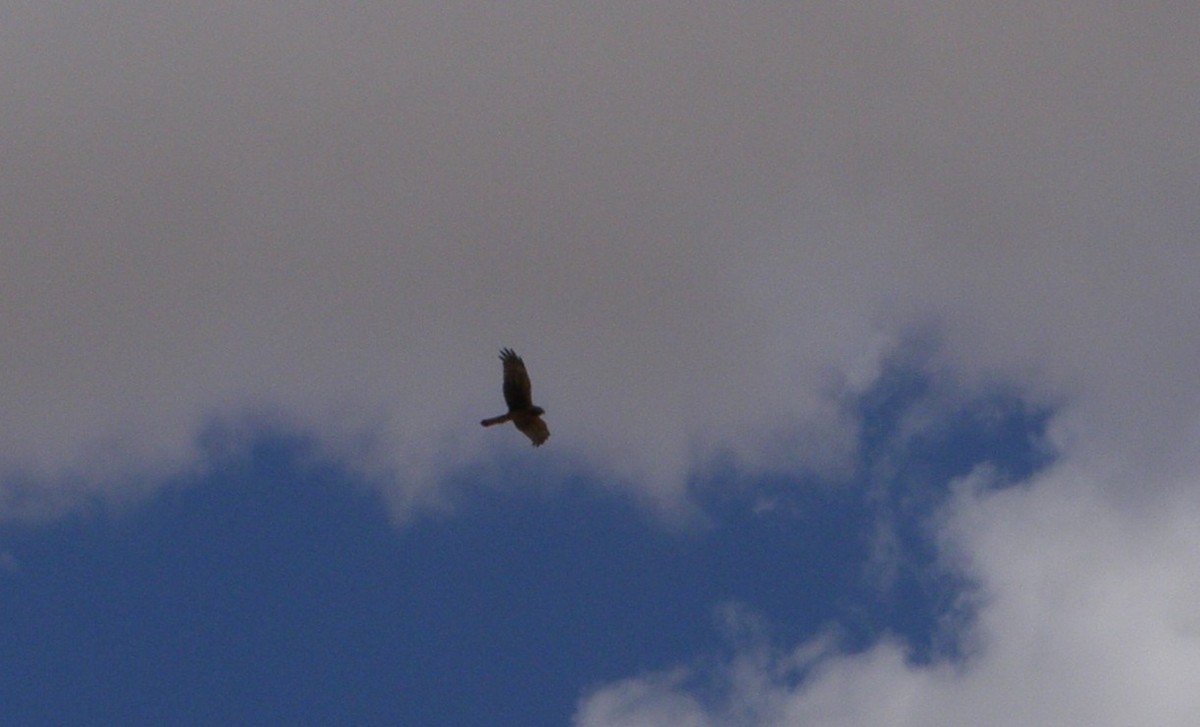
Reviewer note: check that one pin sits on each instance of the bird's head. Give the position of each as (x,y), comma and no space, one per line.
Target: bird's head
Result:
(537,410)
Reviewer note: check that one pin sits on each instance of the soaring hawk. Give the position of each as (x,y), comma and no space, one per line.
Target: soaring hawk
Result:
(518,394)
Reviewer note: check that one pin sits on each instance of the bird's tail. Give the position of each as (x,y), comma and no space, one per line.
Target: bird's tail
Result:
(496,420)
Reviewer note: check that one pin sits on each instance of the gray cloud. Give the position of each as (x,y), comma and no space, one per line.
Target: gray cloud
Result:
(699,224)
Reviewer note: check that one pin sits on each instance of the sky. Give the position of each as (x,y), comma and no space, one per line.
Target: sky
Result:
(865,333)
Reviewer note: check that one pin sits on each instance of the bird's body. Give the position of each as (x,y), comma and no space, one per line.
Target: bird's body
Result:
(518,395)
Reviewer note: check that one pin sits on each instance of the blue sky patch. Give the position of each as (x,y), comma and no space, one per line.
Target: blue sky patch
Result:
(275,589)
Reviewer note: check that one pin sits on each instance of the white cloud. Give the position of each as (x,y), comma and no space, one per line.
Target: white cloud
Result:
(699,225)
(644,703)
(1087,617)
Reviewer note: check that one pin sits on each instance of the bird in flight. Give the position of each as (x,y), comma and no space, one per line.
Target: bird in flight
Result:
(518,394)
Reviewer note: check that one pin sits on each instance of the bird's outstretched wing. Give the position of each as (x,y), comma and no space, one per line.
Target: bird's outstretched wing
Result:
(518,391)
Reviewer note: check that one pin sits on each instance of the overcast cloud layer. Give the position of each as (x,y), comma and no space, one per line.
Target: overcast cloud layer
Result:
(692,221)
(702,224)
